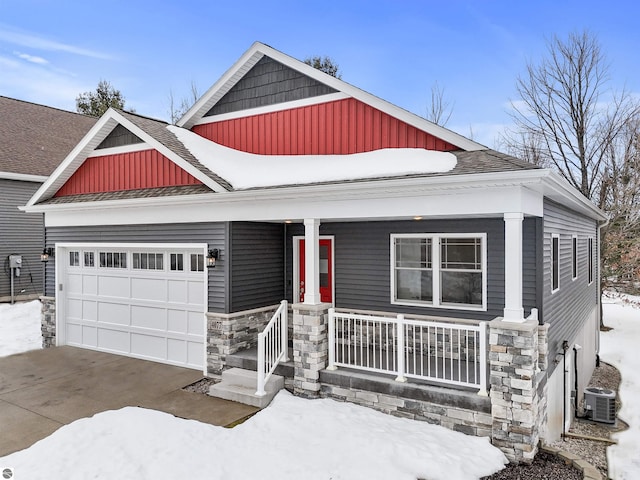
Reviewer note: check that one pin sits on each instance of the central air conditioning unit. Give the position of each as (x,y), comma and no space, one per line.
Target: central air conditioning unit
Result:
(600,404)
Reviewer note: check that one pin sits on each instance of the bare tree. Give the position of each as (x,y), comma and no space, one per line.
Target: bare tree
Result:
(177,108)
(567,117)
(440,109)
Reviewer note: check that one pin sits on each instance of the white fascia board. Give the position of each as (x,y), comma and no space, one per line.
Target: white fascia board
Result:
(258,50)
(558,188)
(23,177)
(136,147)
(250,112)
(404,198)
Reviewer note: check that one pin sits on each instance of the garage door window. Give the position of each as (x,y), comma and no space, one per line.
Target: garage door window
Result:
(148,261)
(177,262)
(89,260)
(74,259)
(113,259)
(197,262)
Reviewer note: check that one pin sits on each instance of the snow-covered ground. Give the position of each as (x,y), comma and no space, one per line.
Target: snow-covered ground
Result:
(19,327)
(347,441)
(619,347)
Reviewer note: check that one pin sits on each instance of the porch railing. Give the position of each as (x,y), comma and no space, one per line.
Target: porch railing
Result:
(448,353)
(272,346)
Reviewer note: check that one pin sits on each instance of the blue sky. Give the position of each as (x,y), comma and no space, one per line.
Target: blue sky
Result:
(52,51)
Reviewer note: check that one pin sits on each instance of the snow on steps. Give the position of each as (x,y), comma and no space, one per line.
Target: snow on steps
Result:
(240,385)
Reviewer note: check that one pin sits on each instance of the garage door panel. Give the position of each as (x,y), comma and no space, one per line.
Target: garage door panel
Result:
(177,351)
(141,312)
(148,289)
(149,317)
(113,340)
(115,313)
(177,321)
(112,286)
(74,284)
(148,346)
(177,291)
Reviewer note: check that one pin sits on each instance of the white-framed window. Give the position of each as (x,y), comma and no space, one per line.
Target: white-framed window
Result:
(197,262)
(176,262)
(113,259)
(148,261)
(590,260)
(439,270)
(74,258)
(555,262)
(89,259)
(574,257)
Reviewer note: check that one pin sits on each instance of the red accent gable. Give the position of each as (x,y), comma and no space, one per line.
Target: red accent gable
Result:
(332,128)
(126,171)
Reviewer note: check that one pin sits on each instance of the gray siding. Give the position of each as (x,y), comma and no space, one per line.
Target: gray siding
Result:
(20,233)
(211,233)
(362,263)
(118,137)
(568,308)
(269,82)
(257,265)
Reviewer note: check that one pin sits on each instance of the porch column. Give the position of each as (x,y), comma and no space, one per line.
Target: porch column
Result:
(312,261)
(513,310)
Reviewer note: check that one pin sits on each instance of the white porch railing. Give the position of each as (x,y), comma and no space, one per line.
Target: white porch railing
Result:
(272,346)
(448,353)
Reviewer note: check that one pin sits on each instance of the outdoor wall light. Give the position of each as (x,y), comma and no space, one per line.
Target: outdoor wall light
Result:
(46,253)
(212,257)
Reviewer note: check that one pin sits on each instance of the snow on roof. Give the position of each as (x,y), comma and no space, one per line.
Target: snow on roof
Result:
(247,170)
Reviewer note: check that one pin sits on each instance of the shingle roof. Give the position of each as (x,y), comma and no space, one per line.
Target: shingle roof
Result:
(158,130)
(126,194)
(34,139)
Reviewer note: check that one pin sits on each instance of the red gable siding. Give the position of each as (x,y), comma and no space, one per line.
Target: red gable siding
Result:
(339,127)
(126,171)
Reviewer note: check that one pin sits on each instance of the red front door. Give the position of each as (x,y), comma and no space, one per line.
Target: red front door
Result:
(326,270)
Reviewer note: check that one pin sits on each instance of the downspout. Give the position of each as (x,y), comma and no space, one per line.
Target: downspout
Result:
(599,290)
(576,347)
(565,347)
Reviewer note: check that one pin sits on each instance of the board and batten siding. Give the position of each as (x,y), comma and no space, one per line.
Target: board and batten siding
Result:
(213,234)
(570,306)
(23,234)
(256,265)
(362,258)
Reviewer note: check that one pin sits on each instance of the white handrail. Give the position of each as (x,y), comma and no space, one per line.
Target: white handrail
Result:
(272,346)
(437,351)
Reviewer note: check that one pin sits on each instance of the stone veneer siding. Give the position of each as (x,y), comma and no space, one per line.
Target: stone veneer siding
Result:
(228,333)
(310,347)
(48,321)
(518,387)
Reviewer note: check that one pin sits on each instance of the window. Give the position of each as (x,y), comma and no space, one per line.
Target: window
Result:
(438,270)
(113,259)
(148,261)
(555,263)
(574,257)
(74,259)
(590,260)
(176,262)
(89,259)
(197,262)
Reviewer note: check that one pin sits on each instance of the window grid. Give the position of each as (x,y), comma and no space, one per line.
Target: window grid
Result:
(74,259)
(148,261)
(555,263)
(89,260)
(113,259)
(176,261)
(197,262)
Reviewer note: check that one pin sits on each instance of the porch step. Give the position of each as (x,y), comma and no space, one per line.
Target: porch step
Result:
(247,359)
(239,385)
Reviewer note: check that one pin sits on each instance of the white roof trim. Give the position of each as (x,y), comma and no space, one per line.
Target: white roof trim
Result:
(136,147)
(258,50)
(23,177)
(93,138)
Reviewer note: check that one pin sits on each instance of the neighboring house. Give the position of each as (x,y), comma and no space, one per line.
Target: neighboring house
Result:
(302,187)
(34,139)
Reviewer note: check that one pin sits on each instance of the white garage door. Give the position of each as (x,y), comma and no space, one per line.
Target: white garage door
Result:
(142,302)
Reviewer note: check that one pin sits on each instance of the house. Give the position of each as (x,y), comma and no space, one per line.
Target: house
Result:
(179,243)
(34,139)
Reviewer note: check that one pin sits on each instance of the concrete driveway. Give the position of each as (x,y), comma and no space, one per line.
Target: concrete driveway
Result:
(42,390)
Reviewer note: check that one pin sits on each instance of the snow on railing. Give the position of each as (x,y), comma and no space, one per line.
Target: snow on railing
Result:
(272,346)
(441,352)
